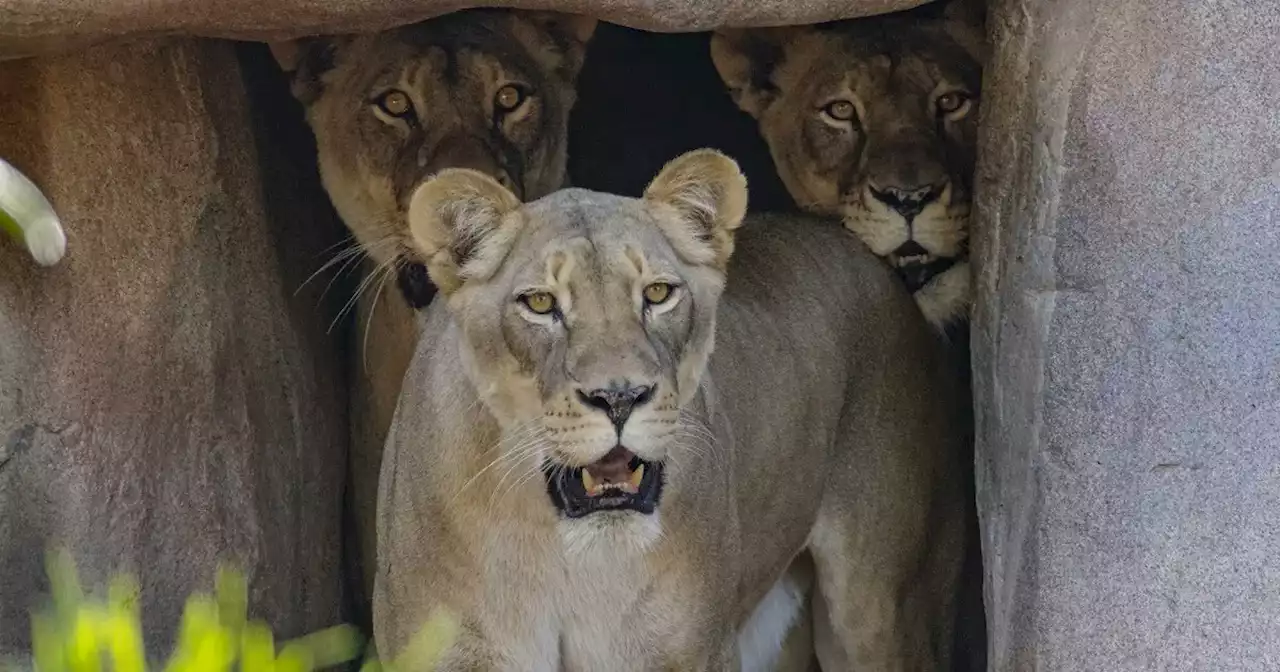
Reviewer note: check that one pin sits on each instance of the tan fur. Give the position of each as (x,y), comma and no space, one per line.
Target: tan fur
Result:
(892,69)
(796,410)
(370,162)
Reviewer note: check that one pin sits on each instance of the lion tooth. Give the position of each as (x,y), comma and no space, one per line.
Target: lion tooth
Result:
(588,482)
(637,476)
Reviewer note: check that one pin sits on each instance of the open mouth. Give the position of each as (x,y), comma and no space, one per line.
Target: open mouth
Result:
(619,481)
(916,266)
(911,253)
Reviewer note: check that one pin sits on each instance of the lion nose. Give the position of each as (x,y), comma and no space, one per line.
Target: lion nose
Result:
(618,400)
(907,202)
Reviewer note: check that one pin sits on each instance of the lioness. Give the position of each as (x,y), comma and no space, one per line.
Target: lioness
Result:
(489,90)
(875,120)
(579,477)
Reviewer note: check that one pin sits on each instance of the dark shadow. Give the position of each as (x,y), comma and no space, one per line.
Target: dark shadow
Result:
(644,99)
(307,233)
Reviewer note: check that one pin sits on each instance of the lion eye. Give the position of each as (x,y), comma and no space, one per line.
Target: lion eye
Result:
(657,293)
(509,98)
(840,110)
(395,103)
(951,102)
(541,303)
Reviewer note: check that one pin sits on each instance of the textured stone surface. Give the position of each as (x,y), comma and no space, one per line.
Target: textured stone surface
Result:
(1127,335)
(166,401)
(28,26)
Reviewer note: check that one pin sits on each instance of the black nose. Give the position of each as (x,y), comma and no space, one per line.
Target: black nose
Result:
(618,401)
(907,202)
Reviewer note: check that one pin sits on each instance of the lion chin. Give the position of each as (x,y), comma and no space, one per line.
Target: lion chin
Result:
(612,533)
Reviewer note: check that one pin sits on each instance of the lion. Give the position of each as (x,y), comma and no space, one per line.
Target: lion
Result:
(627,417)
(489,90)
(875,120)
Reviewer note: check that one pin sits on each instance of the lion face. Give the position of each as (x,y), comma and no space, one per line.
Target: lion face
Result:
(873,120)
(588,318)
(488,90)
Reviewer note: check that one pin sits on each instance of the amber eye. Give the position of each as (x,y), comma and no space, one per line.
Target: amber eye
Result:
(949,103)
(541,303)
(840,110)
(395,103)
(657,293)
(509,98)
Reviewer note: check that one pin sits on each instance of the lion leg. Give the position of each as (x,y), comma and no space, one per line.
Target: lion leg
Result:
(797,653)
(879,608)
(778,636)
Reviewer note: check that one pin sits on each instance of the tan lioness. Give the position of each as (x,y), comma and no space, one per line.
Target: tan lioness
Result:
(876,120)
(484,89)
(627,418)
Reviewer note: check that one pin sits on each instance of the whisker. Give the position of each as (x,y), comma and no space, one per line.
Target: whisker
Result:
(346,240)
(517,457)
(340,250)
(344,255)
(527,439)
(360,290)
(353,256)
(348,257)
(368,323)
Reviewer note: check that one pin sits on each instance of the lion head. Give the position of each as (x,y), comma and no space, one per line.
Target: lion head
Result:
(874,120)
(489,90)
(586,319)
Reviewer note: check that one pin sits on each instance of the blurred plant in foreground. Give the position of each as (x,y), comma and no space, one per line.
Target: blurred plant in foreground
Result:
(28,218)
(76,634)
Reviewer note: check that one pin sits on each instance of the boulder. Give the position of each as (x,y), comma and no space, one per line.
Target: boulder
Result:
(40,26)
(1126,338)
(167,402)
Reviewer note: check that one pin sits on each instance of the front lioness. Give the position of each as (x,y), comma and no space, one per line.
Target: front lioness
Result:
(579,477)
(875,120)
(484,89)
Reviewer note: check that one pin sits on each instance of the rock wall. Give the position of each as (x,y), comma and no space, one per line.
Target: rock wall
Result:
(166,400)
(1127,335)
(41,26)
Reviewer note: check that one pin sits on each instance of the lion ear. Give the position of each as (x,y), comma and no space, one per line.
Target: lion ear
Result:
(287,54)
(306,61)
(746,60)
(568,35)
(463,223)
(707,196)
(965,22)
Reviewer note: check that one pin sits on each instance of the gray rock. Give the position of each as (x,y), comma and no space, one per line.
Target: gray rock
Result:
(40,26)
(166,402)
(1126,341)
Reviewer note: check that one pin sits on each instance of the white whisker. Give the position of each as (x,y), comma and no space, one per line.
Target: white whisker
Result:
(368,322)
(360,289)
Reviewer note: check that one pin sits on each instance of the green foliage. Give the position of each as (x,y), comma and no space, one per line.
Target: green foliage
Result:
(78,634)
(75,633)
